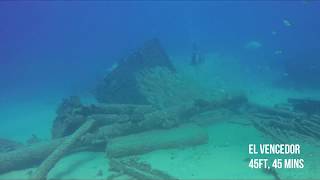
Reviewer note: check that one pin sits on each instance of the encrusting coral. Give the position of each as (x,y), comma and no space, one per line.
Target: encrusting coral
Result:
(43,170)
(164,88)
(120,86)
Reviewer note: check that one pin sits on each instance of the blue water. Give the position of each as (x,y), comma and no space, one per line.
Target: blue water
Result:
(68,45)
(51,50)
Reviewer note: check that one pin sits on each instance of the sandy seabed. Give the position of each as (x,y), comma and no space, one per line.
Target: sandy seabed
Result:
(224,157)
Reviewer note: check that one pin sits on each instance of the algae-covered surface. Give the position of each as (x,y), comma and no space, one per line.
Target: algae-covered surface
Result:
(224,156)
(221,158)
(233,73)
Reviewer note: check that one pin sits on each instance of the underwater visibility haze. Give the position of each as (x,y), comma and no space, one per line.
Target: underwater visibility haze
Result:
(159,90)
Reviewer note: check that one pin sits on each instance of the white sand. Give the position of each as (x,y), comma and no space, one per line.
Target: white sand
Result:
(224,157)
(84,165)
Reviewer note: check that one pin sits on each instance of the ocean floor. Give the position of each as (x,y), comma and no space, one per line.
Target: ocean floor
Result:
(23,117)
(224,157)
(229,74)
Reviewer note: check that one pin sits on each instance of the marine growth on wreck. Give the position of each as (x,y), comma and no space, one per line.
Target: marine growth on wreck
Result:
(164,111)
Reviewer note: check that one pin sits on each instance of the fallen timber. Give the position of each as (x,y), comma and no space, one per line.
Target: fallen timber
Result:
(279,124)
(110,125)
(135,144)
(65,147)
(27,156)
(283,125)
(71,114)
(32,155)
(8,145)
(136,170)
(308,106)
